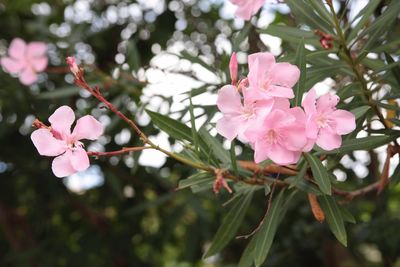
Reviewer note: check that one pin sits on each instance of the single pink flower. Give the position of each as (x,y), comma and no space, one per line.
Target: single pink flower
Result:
(58,141)
(26,60)
(233,68)
(269,79)
(238,116)
(247,8)
(278,136)
(325,123)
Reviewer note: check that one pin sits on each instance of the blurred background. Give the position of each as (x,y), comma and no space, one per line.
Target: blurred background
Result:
(125,210)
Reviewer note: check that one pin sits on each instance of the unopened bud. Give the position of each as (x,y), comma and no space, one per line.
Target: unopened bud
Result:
(233,68)
(73,66)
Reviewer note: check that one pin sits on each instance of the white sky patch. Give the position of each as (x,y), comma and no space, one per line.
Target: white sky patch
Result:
(83,181)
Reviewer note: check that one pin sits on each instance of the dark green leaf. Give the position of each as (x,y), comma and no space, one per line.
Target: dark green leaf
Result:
(230,224)
(320,173)
(301,63)
(334,218)
(360,111)
(196,179)
(174,128)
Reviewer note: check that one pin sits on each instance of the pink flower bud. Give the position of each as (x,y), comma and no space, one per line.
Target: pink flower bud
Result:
(72,65)
(233,68)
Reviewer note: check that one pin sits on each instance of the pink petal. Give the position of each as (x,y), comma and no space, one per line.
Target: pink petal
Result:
(260,151)
(36,49)
(62,166)
(265,62)
(228,127)
(280,155)
(284,74)
(39,63)
(280,91)
(46,144)
(62,119)
(87,127)
(248,8)
(328,140)
(327,102)
(278,118)
(295,138)
(28,76)
(309,102)
(312,127)
(17,48)
(345,121)
(229,100)
(11,65)
(79,159)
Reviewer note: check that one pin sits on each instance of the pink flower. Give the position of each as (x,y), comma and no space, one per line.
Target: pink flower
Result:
(269,79)
(325,123)
(279,136)
(233,68)
(247,8)
(26,60)
(58,141)
(237,116)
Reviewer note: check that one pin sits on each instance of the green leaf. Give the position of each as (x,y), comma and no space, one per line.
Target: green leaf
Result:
(365,143)
(299,177)
(196,59)
(174,128)
(247,258)
(230,224)
(233,158)
(196,179)
(365,14)
(304,12)
(349,90)
(266,233)
(301,63)
(303,185)
(346,215)
(320,8)
(334,218)
(241,36)
(215,146)
(291,34)
(395,178)
(360,111)
(193,126)
(394,70)
(320,173)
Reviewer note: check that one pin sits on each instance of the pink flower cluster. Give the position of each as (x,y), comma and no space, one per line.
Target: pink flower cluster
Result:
(25,60)
(257,110)
(58,141)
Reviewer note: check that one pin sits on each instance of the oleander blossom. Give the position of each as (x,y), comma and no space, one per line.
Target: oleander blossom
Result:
(325,123)
(247,8)
(58,141)
(25,60)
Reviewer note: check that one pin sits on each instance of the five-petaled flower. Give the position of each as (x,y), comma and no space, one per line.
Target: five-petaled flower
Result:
(25,60)
(325,123)
(58,141)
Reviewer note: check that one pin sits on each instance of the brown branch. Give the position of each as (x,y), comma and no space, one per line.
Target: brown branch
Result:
(271,168)
(124,150)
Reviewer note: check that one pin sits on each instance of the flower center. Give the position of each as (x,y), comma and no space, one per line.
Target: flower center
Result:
(266,85)
(323,121)
(272,137)
(248,111)
(73,145)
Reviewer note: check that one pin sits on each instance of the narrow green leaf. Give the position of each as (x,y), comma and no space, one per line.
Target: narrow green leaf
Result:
(196,59)
(299,177)
(394,70)
(346,215)
(301,63)
(233,158)
(334,218)
(247,258)
(360,111)
(320,173)
(241,36)
(266,233)
(291,34)
(174,128)
(365,14)
(195,179)
(215,146)
(193,126)
(365,143)
(230,224)
(320,7)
